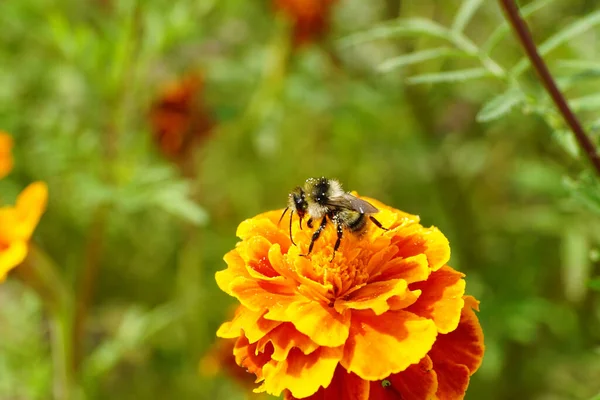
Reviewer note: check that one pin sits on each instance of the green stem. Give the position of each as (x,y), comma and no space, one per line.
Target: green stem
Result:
(40,273)
(62,354)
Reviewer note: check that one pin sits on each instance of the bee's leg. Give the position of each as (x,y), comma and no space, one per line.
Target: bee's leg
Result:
(291,215)
(315,235)
(282,215)
(377,223)
(309,223)
(340,233)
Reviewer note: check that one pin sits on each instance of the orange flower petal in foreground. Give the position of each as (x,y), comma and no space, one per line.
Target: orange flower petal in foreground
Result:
(17,225)
(386,319)
(6,161)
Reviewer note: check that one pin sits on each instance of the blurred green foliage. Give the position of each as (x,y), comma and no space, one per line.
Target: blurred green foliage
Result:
(428,106)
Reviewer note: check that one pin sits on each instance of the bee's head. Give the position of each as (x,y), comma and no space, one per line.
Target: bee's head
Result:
(297,202)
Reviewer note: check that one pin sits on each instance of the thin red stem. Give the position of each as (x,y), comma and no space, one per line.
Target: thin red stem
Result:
(511,11)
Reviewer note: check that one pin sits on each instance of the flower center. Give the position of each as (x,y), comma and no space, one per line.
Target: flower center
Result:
(346,271)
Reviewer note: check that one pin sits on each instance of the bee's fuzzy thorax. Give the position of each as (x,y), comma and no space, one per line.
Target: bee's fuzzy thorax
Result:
(335,188)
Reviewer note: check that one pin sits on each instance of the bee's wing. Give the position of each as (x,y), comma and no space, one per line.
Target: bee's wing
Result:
(353,203)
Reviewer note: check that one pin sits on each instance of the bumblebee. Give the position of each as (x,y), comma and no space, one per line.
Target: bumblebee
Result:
(324,199)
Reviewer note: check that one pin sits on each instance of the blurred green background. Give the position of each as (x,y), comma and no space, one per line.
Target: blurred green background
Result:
(160,125)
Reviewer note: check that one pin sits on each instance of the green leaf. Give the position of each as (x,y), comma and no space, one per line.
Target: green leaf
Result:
(575,262)
(464,14)
(175,200)
(586,191)
(502,29)
(461,75)
(563,36)
(417,57)
(395,29)
(500,105)
(590,102)
(567,141)
(594,284)
(579,65)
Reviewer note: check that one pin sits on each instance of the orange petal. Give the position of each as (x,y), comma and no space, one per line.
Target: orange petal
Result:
(253,325)
(379,346)
(30,206)
(19,222)
(441,299)
(343,386)
(265,225)
(11,256)
(301,374)
(373,296)
(255,253)
(401,302)
(259,295)
(415,239)
(464,345)
(453,380)
(411,269)
(246,356)
(6,161)
(417,382)
(235,268)
(283,339)
(321,323)
(380,258)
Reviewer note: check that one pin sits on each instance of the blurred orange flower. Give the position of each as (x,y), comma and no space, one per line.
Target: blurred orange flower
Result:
(386,319)
(179,118)
(6,161)
(18,223)
(310,18)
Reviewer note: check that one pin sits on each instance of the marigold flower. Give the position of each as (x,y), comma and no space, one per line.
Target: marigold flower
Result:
(18,223)
(310,18)
(179,117)
(386,319)
(6,161)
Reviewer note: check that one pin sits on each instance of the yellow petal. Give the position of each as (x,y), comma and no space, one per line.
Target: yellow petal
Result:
(373,296)
(11,256)
(379,346)
(441,299)
(301,374)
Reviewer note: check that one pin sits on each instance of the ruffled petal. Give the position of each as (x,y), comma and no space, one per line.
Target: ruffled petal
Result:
(458,354)
(265,225)
(373,296)
(301,374)
(417,382)
(319,322)
(258,295)
(395,340)
(253,325)
(247,357)
(343,386)
(411,269)
(441,299)
(283,339)
(465,344)
(415,239)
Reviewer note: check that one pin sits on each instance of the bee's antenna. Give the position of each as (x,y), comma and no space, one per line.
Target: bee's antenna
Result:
(291,215)
(284,211)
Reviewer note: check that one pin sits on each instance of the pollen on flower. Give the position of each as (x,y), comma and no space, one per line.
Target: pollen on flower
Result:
(384,311)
